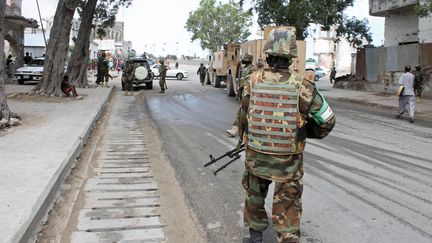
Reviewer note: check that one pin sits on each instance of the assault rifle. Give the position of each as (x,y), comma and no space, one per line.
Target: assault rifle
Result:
(233,154)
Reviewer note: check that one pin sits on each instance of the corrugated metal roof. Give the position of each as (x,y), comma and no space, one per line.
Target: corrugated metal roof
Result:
(34,40)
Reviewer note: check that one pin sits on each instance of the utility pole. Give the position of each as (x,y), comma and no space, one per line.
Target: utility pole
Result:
(40,17)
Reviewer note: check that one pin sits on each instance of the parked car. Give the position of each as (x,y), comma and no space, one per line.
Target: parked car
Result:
(143,73)
(171,72)
(30,72)
(318,72)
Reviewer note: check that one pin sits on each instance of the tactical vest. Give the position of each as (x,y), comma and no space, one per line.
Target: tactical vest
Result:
(274,119)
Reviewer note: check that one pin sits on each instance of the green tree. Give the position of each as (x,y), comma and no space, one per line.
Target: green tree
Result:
(215,24)
(355,31)
(57,49)
(302,13)
(424,8)
(101,11)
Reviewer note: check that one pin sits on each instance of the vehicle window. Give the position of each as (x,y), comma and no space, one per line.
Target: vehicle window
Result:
(37,62)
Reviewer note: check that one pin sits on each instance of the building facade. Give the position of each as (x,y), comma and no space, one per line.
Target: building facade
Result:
(408,41)
(402,25)
(14,34)
(332,53)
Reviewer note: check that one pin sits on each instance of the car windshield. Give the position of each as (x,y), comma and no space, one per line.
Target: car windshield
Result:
(36,62)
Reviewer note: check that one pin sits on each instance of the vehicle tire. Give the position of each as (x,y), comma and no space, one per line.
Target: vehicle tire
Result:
(149,85)
(316,77)
(217,82)
(20,81)
(179,76)
(230,86)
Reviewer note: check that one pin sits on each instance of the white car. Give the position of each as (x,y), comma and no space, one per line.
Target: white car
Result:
(31,72)
(318,72)
(171,72)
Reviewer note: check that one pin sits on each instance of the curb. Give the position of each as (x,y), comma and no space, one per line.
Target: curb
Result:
(29,229)
(363,102)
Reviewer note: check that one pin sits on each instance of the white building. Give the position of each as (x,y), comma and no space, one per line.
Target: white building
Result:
(330,52)
(402,25)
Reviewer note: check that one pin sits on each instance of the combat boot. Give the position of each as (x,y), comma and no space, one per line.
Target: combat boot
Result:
(255,237)
(233,131)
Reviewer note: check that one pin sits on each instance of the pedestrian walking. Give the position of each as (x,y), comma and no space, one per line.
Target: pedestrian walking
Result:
(407,96)
(418,82)
(245,73)
(202,73)
(281,110)
(27,58)
(162,76)
(333,75)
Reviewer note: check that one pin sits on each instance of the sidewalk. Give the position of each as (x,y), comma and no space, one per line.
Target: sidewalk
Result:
(38,154)
(423,108)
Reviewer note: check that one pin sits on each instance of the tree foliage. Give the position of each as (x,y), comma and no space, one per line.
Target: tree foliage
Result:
(106,12)
(424,8)
(301,13)
(355,31)
(215,24)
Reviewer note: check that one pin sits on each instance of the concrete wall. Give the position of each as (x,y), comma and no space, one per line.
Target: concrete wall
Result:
(380,7)
(343,57)
(425,30)
(401,28)
(34,51)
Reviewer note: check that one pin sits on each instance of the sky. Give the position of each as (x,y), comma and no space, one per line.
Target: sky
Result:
(158,26)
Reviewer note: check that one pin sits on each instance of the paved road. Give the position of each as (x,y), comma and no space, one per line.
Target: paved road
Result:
(369,181)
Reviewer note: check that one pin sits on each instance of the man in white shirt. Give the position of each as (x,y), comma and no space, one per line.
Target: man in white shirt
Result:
(408,94)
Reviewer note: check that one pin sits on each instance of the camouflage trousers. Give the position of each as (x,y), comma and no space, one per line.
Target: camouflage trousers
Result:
(287,206)
(128,84)
(162,83)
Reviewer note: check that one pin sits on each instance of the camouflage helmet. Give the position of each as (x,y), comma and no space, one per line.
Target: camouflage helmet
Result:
(247,57)
(281,42)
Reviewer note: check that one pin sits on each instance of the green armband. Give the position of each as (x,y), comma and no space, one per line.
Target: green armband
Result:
(324,114)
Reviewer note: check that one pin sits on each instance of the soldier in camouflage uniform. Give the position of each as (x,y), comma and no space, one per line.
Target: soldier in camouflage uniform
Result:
(245,73)
(281,111)
(162,75)
(418,82)
(130,73)
(202,73)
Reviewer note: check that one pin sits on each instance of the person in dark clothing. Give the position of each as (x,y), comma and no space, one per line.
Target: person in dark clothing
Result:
(202,73)
(27,58)
(68,89)
(9,60)
(333,75)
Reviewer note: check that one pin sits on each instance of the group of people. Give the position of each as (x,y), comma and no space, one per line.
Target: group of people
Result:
(411,85)
(278,111)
